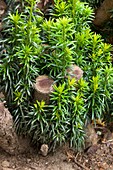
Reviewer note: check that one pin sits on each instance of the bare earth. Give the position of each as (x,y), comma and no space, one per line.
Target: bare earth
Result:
(97,157)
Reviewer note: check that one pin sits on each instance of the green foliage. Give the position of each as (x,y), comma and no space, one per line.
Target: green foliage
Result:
(64,118)
(77,11)
(106,28)
(19,64)
(57,36)
(32,46)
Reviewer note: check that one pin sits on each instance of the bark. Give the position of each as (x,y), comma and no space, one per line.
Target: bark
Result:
(74,72)
(43,88)
(42,4)
(103,13)
(3,7)
(9,141)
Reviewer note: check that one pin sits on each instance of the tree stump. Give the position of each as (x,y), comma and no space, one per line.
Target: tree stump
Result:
(9,141)
(103,13)
(74,72)
(43,88)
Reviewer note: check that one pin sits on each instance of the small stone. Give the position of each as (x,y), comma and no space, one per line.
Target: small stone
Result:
(44,149)
(46,163)
(14,166)
(28,160)
(86,160)
(5,164)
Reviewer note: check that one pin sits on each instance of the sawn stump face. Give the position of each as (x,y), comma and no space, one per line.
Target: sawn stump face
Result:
(43,87)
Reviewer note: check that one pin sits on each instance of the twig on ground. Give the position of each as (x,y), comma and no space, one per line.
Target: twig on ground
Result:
(73,158)
(108,141)
(80,165)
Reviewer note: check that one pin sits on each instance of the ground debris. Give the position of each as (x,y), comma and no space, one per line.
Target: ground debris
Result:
(73,158)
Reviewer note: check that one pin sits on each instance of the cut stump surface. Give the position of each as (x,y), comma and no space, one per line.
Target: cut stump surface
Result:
(74,71)
(43,87)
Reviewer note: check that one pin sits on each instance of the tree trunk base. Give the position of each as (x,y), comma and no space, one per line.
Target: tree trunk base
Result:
(9,141)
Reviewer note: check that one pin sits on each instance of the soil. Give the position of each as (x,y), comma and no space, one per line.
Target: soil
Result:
(97,157)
